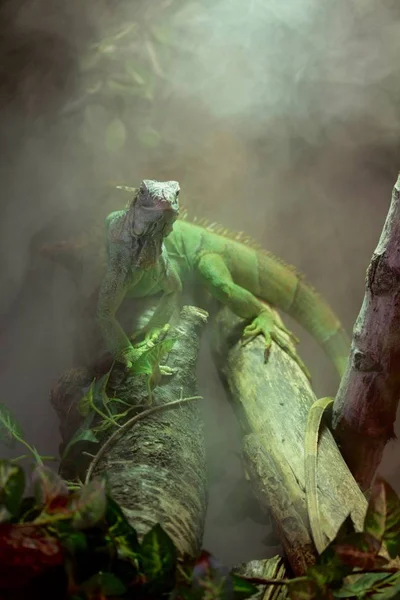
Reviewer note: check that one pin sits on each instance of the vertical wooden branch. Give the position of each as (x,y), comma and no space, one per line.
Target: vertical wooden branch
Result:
(366,403)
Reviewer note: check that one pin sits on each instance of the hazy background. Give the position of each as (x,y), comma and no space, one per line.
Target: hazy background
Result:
(281,119)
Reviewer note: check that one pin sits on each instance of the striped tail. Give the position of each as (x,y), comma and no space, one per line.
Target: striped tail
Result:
(280,285)
(315,315)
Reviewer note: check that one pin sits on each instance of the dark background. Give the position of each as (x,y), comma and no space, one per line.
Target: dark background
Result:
(279,119)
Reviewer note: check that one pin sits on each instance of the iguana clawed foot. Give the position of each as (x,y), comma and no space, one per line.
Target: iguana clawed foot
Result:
(165,370)
(130,356)
(272,330)
(152,336)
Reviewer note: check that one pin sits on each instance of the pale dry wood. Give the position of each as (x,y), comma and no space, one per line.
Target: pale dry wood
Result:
(272,401)
(268,568)
(366,403)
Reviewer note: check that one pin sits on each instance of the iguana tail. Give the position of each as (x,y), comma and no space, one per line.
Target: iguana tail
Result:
(283,287)
(310,467)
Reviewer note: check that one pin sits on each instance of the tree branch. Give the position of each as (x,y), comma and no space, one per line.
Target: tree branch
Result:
(366,402)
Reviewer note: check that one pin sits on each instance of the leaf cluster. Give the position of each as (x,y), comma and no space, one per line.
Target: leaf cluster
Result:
(102,412)
(129,67)
(85,536)
(352,566)
(82,534)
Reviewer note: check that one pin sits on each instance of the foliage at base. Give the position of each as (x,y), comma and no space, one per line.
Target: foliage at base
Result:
(78,545)
(74,542)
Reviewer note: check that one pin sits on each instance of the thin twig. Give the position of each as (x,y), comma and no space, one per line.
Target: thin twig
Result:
(128,425)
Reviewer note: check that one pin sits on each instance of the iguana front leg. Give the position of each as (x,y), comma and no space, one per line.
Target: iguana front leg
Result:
(217,278)
(112,292)
(171,285)
(169,302)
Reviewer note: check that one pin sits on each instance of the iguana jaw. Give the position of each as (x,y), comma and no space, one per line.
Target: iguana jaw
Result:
(146,251)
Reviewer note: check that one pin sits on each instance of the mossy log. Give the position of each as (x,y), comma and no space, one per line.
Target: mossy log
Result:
(271,400)
(156,470)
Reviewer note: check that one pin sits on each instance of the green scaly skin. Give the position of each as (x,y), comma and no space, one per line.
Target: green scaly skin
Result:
(149,251)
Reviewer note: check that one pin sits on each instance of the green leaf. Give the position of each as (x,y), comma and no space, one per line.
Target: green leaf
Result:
(10,429)
(148,136)
(135,75)
(329,566)
(120,529)
(163,34)
(325,574)
(100,386)
(106,584)
(95,117)
(383,516)
(158,554)
(12,486)
(360,584)
(242,589)
(115,135)
(74,542)
(89,505)
(83,434)
(47,485)
(85,403)
(123,90)
(390,589)
(147,361)
(303,588)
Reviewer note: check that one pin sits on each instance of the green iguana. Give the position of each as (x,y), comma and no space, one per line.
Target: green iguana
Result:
(150,250)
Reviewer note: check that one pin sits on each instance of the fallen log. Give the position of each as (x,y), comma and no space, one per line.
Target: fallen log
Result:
(271,401)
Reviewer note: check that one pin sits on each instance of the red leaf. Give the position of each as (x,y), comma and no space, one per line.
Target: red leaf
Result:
(25,552)
(360,550)
(47,485)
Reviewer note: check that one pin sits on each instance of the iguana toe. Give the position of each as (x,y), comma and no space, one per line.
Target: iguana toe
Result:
(156,333)
(266,325)
(286,347)
(165,370)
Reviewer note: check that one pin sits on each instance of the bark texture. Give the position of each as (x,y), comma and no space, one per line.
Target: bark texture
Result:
(366,403)
(157,470)
(272,401)
(271,568)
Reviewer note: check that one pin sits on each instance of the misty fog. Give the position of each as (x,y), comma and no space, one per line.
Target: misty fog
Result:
(281,119)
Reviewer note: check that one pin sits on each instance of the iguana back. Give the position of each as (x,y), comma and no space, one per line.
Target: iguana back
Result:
(267,277)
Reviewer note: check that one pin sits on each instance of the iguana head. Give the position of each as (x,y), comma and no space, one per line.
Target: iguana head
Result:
(156,207)
(153,213)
